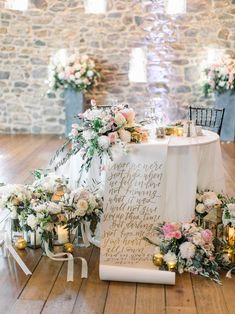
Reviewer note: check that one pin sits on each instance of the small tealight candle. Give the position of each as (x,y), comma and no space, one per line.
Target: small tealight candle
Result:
(171,265)
(180,131)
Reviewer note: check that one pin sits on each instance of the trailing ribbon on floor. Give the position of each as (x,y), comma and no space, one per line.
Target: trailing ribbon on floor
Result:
(8,248)
(229,273)
(68,257)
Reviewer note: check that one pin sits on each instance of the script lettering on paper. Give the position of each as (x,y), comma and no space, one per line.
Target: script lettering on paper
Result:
(133,205)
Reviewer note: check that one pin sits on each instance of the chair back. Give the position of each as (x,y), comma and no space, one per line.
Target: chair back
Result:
(210,118)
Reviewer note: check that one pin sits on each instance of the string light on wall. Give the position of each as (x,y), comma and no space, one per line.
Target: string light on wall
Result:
(19,5)
(138,66)
(95,6)
(175,6)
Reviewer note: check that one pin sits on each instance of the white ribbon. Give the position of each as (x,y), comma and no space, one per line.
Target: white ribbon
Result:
(86,235)
(8,248)
(229,273)
(60,257)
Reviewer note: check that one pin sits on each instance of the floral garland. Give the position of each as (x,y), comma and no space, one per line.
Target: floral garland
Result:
(48,203)
(98,131)
(220,77)
(190,248)
(78,72)
(193,248)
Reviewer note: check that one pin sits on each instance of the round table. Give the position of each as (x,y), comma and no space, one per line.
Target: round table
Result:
(191,163)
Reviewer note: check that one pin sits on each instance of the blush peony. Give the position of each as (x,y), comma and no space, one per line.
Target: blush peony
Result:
(187,250)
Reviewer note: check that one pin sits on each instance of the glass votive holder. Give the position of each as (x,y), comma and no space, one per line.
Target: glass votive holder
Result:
(180,131)
(160,132)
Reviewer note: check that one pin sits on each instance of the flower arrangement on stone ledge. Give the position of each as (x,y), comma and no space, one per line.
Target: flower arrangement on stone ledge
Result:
(49,203)
(78,72)
(220,77)
(98,131)
(186,247)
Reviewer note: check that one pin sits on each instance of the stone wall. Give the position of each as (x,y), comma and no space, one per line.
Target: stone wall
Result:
(177,46)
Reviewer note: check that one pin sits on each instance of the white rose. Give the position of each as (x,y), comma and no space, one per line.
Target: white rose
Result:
(92,202)
(187,250)
(103,142)
(124,135)
(54,208)
(198,240)
(32,221)
(210,199)
(231,207)
(170,257)
(88,135)
(222,83)
(61,75)
(200,208)
(81,207)
(90,73)
(77,75)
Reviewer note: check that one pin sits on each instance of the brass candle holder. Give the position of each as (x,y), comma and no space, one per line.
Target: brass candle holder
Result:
(230,252)
(68,247)
(158,259)
(171,266)
(21,244)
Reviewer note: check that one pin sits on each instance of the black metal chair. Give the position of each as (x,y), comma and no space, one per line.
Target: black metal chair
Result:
(209,118)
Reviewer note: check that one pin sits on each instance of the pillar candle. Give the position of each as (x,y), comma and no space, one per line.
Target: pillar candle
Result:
(63,236)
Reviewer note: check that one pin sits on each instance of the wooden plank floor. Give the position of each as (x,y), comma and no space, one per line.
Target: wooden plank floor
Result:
(47,291)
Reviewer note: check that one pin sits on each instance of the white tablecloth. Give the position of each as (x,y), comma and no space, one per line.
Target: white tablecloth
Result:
(191,163)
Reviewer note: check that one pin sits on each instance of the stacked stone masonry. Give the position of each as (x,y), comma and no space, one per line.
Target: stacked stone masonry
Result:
(177,48)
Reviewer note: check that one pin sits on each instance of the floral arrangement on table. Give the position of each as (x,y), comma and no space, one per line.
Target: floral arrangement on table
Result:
(189,248)
(220,77)
(99,130)
(49,203)
(206,201)
(78,72)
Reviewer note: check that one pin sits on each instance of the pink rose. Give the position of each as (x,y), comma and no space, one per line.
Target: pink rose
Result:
(74,132)
(167,228)
(171,231)
(178,234)
(207,235)
(129,115)
(113,136)
(169,235)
